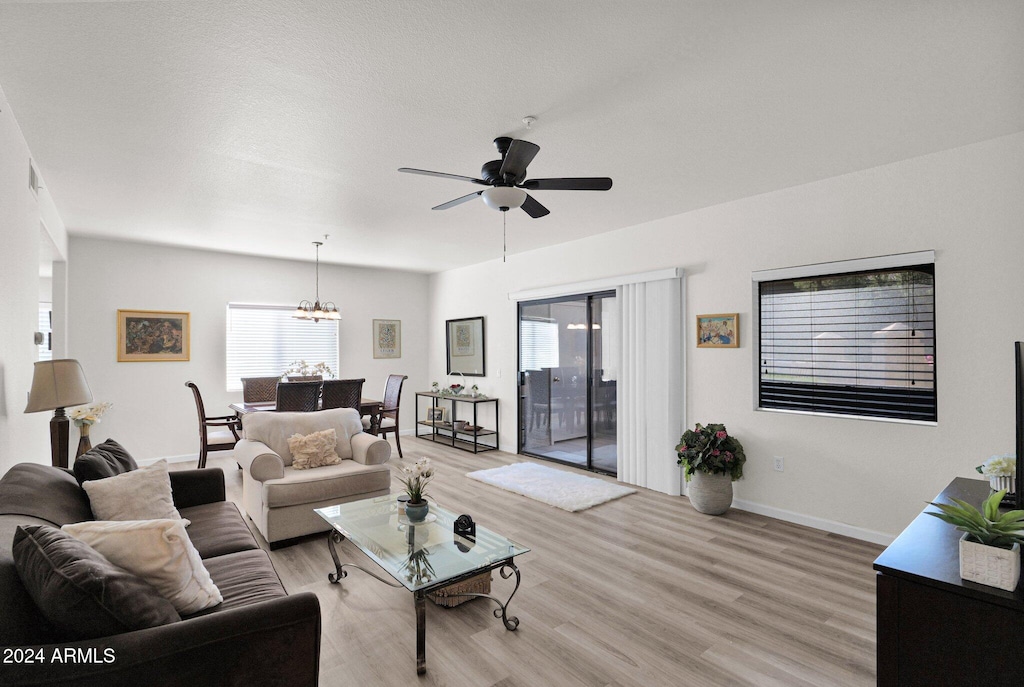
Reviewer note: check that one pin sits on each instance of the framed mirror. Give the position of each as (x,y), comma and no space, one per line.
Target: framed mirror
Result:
(465,339)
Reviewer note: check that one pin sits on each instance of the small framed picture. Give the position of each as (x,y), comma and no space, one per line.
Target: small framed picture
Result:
(152,336)
(435,415)
(387,338)
(718,331)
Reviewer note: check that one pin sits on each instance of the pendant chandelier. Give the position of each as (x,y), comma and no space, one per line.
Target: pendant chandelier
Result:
(317,311)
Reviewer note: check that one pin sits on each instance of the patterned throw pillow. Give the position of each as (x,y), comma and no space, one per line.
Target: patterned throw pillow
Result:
(314,450)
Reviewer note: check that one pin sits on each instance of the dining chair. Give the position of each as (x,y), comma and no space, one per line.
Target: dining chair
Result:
(215,433)
(299,397)
(259,389)
(342,393)
(389,410)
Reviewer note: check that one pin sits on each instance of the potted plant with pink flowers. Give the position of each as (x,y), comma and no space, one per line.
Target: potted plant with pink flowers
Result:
(713,459)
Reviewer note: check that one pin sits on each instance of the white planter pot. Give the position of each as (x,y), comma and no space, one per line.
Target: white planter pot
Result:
(710,494)
(989,565)
(1000,483)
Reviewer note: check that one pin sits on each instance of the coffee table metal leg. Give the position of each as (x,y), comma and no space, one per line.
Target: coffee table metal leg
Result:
(420,602)
(334,536)
(509,621)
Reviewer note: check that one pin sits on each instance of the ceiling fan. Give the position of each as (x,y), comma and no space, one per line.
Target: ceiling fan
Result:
(507,180)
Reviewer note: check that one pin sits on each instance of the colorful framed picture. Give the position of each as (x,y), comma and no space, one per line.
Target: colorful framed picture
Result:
(718,331)
(435,415)
(149,336)
(387,338)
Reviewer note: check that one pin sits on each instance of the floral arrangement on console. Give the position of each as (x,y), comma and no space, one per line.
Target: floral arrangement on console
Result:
(304,369)
(86,416)
(1000,471)
(418,475)
(711,449)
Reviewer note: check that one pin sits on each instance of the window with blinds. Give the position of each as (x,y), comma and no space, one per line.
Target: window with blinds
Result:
(538,344)
(859,343)
(264,340)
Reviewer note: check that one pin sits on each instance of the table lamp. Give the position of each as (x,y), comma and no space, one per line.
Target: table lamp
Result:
(56,385)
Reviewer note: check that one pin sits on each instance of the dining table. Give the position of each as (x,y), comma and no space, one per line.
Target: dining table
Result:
(367,406)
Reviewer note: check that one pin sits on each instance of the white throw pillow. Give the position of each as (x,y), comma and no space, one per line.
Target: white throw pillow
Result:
(158,551)
(314,450)
(143,494)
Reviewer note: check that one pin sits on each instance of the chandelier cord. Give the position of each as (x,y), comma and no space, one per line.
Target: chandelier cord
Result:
(504,237)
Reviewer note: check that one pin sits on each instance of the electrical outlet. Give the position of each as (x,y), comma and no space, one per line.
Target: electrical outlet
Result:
(780,463)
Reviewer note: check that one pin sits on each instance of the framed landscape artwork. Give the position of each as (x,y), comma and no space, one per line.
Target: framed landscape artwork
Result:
(152,336)
(387,338)
(718,331)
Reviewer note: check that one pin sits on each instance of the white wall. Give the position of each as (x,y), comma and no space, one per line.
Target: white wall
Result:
(860,476)
(23,438)
(154,414)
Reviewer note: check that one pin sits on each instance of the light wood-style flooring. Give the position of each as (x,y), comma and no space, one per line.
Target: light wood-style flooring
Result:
(641,591)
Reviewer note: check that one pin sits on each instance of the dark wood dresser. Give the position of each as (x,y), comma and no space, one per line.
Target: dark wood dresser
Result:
(933,627)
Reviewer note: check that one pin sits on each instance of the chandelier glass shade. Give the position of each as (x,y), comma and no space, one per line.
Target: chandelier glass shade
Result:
(316,310)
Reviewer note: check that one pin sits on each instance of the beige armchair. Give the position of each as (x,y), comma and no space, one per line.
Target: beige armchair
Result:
(280,499)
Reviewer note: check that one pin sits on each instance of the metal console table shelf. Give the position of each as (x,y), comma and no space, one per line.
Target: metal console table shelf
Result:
(478,441)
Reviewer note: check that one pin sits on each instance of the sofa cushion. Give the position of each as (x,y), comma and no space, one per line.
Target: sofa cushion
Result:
(79,591)
(273,429)
(143,494)
(21,491)
(347,478)
(158,551)
(105,460)
(218,528)
(314,450)
(244,578)
(21,621)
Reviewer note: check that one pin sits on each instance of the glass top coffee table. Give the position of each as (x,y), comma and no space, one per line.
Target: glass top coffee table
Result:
(422,557)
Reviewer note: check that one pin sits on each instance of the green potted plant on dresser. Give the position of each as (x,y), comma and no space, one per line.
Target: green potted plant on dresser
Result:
(713,459)
(990,545)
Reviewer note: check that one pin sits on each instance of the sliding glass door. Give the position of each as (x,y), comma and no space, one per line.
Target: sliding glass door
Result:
(568,350)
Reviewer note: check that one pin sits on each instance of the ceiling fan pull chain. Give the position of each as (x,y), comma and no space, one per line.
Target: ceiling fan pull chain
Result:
(504,237)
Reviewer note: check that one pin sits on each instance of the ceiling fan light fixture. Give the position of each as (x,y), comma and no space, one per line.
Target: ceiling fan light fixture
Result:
(504,197)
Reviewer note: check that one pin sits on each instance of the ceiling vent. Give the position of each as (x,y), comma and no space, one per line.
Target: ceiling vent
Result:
(33,178)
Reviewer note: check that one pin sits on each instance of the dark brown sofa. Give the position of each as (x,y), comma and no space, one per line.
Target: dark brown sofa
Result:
(259,635)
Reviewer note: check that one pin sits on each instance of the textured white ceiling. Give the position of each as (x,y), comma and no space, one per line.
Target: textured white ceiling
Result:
(256,127)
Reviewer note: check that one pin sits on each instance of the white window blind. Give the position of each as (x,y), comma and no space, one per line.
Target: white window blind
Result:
(859,343)
(264,340)
(538,344)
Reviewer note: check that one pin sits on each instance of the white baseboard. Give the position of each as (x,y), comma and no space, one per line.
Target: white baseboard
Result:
(185,458)
(817,523)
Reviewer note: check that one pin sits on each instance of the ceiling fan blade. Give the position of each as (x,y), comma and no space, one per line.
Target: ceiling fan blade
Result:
(569,184)
(533,208)
(457,201)
(519,156)
(443,175)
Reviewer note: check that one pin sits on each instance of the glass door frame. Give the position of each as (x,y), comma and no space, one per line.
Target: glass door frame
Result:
(588,298)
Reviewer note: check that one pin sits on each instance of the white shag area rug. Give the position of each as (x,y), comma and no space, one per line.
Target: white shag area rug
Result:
(565,490)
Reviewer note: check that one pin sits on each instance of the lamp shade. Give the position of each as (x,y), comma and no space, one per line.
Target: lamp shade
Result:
(504,197)
(57,384)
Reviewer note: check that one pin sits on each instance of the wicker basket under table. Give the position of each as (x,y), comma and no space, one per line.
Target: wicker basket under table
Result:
(446,596)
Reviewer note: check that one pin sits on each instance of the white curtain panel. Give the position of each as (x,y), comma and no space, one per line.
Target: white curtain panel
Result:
(650,385)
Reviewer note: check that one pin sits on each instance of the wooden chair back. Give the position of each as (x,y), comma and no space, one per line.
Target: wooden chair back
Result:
(259,389)
(342,393)
(299,397)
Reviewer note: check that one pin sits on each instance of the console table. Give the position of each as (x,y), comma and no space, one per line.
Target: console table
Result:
(934,628)
(443,431)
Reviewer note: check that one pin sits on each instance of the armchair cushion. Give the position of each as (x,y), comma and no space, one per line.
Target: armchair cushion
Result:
(273,429)
(347,478)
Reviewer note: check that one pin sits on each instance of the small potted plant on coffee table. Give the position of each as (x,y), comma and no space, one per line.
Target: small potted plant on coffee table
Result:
(990,545)
(418,475)
(713,459)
